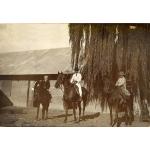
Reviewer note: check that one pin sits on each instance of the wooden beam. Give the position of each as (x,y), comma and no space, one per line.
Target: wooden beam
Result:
(28,92)
(31,77)
(11,87)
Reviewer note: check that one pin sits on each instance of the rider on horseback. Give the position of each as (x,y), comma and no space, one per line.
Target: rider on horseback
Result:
(36,88)
(121,83)
(76,79)
(43,87)
(46,86)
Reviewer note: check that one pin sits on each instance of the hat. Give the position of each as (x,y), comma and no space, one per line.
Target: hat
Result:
(68,71)
(121,73)
(76,68)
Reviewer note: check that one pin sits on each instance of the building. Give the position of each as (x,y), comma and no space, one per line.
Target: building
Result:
(19,70)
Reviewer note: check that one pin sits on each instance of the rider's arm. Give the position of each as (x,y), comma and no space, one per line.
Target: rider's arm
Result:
(72,79)
(120,82)
(79,78)
(48,85)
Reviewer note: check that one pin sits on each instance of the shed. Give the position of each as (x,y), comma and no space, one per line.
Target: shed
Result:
(19,70)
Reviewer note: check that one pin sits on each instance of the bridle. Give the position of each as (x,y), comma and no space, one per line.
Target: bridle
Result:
(61,84)
(61,88)
(63,81)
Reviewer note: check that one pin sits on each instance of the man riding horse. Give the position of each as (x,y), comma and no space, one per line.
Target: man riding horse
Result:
(42,87)
(42,96)
(76,80)
(121,83)
(73,93)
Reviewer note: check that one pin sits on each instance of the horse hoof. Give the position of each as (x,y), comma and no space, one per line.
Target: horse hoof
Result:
(37,119)
(65,121)
(76,121)
(84,119)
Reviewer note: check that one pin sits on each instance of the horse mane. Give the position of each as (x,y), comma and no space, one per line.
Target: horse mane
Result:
(67,80)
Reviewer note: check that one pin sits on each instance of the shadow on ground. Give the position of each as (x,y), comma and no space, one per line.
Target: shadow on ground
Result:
(86,117)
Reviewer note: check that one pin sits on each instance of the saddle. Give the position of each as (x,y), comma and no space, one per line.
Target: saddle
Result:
(76,89)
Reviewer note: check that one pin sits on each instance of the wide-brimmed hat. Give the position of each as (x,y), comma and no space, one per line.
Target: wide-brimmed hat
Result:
(121,73)
(68,72)
(76,68)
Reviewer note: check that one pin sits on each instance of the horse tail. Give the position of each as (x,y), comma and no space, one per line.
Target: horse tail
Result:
(104,101)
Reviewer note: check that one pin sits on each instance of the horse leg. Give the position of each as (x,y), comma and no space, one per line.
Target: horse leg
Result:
(117,119)
(119,123)
(83,110)
(38,108)
(43,113)
(47,106)
(126,118)
(79,105)
(66,114)
(74,110)
(111,116)
(46,113)
(130,117)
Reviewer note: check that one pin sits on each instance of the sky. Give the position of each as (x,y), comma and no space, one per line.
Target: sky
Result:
(24,37)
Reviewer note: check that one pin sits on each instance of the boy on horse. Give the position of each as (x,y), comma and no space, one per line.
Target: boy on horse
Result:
(121,83)
(76,79)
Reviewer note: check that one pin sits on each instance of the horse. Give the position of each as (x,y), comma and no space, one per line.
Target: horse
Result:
(41,96)
(71,96)
(117,103)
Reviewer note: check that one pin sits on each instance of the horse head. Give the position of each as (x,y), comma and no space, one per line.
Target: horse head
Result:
(60,79)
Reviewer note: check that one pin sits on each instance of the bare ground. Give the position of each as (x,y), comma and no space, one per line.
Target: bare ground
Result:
(25,117)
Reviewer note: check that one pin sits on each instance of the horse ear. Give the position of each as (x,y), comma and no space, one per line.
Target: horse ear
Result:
(58,72)
(61,72)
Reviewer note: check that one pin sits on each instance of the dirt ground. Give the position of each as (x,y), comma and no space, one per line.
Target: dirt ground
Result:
(25,117)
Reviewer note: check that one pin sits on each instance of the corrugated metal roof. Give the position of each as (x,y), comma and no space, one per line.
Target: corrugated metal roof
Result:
(48,61)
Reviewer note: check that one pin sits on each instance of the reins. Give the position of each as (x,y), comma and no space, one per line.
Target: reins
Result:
(61,88)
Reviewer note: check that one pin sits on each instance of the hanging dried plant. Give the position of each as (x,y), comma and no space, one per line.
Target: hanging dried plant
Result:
(107,48)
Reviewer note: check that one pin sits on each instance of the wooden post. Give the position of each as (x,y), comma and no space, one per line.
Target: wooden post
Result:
(28,92)
(11,88)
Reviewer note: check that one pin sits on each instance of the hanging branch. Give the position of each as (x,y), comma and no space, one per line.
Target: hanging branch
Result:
(107,48)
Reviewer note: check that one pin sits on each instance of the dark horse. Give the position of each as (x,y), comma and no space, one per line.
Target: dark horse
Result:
(70,96)
(41,96)
(117,103)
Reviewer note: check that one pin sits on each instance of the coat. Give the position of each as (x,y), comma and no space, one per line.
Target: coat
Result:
(121,82)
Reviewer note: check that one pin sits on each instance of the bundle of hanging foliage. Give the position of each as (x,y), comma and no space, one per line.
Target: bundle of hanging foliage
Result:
(100,49)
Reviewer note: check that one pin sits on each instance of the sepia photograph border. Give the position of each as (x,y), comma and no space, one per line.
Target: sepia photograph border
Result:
(65,11)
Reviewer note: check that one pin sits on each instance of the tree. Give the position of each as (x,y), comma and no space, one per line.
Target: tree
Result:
(101,49)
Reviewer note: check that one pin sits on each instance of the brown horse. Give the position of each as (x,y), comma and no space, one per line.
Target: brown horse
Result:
(70,96)
(41,96)
(117,104)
